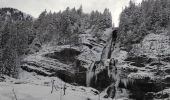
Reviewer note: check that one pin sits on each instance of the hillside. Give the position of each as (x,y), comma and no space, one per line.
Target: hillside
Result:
(13,15)
(75,55)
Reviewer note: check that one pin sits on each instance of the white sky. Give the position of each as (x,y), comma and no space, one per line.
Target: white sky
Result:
(35,7)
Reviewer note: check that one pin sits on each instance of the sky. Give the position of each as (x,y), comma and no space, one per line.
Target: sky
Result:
(35,7)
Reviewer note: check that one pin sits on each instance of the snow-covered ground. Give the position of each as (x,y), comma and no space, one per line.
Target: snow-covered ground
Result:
(31,86)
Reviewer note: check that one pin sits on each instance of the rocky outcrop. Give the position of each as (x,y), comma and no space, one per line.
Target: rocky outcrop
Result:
(135,72)
(70,63)
(55,63)
(153,45)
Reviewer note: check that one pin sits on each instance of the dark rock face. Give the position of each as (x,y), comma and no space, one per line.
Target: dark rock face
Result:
(144,89)
(166,81)
(149,96)
(63,64)
(156,63)
(67,56)
(110,92)
(2,78)
(167,71)
(166,59)
(137,64)
(80,78)
(138,59)
(101,80)
(65,76)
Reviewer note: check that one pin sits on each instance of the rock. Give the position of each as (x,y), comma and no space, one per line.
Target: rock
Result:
(144,86)
(149,45)
(167,71)
(95,92)
(149,96)
(166,59)
(67,55)
(161,95)
(101,80)
(151,60)
(138,59)
(140,76)
(167,79)
(128,68)
(30,69)
(156,63)
(2,78)
(137,64)
(111,91)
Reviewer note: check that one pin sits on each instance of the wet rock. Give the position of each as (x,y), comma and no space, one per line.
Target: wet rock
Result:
(101,80)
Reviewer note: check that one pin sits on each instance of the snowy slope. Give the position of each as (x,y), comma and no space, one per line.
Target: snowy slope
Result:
(31,86)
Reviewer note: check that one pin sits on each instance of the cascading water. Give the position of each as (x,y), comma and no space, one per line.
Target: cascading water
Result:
(90,74)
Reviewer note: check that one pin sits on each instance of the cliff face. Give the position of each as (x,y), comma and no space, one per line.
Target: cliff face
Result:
(70,63)
(147,65)
(136,74)
(153,45)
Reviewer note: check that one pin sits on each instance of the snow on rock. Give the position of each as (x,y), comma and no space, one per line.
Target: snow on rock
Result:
(152,45)
(140,75)
(120,55)
(41,62)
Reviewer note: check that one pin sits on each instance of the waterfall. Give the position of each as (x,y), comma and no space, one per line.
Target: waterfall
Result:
(90,74)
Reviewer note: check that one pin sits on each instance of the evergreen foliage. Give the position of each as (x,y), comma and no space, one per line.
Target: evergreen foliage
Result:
(136,21)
